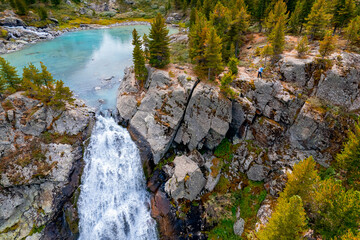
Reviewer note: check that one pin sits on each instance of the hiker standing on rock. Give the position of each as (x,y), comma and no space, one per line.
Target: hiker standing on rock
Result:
(261,69)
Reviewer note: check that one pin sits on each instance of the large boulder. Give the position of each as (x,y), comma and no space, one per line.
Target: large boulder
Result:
(340,85)
(187,181)
(207,118)
(12,22)
(296,70)
(159,109)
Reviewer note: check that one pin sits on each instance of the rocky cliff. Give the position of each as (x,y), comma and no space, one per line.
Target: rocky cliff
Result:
(302,110)
(41,152)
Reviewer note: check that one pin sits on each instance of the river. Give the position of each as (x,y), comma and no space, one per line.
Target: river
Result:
(113,203)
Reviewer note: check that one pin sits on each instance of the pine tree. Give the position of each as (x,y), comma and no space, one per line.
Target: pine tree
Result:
(279,13)
(287,222)
(318,19)
(193,14)
(267,51)
(295,19)
(46,77)
(9,73)
(225,81)
(352,32)
(141,72)
(303,46)
(349,158)
(61,95)
(146,46)
(260,10)
(237,29)
(2,85)
(213,58)
(136,38)
(302,180)
(328,45)
(197,38)
(233,65)
(277,37)
(220,18)
(159,43)
(343,12)
(334,210)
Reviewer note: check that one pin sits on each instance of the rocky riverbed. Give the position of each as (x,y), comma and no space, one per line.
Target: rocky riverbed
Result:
(178,121)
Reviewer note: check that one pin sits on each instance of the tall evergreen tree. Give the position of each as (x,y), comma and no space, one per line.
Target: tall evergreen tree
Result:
(213,58)
(159,43)
(2,85)
(136,38)
(277,38)
(197,38)
(287,222)
(343,11)
(279,13)
(138,58)
(349,158)
(352,32)
(295,20)
(146,46)
(260,11)
(318,19)
(9,73)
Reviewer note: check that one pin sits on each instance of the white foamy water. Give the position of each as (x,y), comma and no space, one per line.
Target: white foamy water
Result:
(113,202)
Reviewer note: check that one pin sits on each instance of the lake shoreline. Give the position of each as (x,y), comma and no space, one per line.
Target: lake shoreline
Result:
(21,37)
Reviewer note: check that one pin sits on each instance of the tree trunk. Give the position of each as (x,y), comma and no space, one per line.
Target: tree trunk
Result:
(209,74)
(260,27)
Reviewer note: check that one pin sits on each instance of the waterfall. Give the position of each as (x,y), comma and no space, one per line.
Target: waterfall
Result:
(113,202)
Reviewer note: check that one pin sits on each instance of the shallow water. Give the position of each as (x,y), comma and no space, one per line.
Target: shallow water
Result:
(84,59)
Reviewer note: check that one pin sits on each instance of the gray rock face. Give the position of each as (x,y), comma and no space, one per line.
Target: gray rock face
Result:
(187,181)
(158,112)
(207,119)
(257,172)
(340,85)
(296,70)
(38,174)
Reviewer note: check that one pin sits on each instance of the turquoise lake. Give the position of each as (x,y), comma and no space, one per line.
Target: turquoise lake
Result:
(84,60)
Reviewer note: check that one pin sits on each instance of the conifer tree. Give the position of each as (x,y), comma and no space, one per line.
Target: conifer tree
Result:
(295,19)
(159,43)
(61,95)
(141,72)
(136,38)
(2,85)
(233,65)
(277,38)
(287,222)
(352,32)
(260,10)
(328,45)
(197,38)
(302,180)
(213,58)
(146,46)
(46,77)
(9,73)
(303,46)
(237,29)
(279,13)
(267,51)
(343,11)
(349,158)
(318,19)
(334,210)
(225,81)
(220,18)
(193,14)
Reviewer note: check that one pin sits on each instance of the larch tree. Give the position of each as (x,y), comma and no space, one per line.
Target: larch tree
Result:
(352,32)
(303,46)
(8,72)
(278,13)
(295,19)
(266,52)
(318,19)
(213,58)
(159,43)
(343,11)
(327,45)
(277,38)
(349,159)
(288,221)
